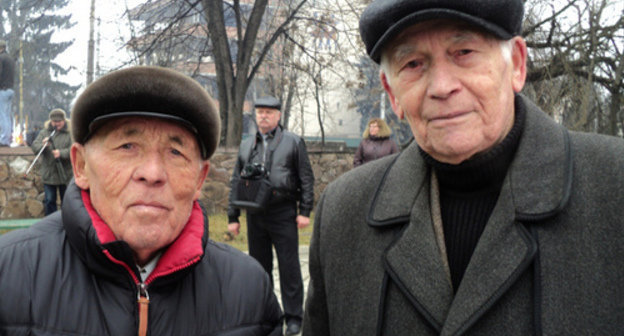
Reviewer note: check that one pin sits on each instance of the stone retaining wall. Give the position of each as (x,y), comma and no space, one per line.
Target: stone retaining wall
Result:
(21,196)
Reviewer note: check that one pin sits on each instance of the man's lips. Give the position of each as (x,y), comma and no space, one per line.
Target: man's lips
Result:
(150,205)
(449,116)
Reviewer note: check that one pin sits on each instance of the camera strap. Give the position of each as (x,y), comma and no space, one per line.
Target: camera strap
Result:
(271,148)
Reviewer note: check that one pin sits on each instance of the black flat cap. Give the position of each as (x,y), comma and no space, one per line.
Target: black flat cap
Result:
(268,101)
(382,20)
(146,91)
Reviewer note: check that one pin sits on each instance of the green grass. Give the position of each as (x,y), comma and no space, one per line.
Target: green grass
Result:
(218,230)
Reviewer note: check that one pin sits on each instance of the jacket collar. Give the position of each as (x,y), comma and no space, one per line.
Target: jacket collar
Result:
(271,134)
(96,245)
(540,174)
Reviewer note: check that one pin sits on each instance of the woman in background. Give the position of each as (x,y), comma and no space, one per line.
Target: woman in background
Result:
(376,143)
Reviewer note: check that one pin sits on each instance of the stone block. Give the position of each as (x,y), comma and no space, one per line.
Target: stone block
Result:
(14,209)
(219,175)
(328,158)
(4,171)
(34,208)
(229,164)
(3,198)
(19,165)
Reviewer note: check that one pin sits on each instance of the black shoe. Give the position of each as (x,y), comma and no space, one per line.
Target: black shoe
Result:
(293,328)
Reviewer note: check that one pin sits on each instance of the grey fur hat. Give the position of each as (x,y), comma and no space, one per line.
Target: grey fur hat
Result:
(57,114)
(147,91)
(382,20)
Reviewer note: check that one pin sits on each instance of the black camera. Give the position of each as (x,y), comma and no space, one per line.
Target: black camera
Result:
(253,171)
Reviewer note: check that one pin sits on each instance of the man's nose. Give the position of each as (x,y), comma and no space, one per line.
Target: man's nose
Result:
(151,169)
(443,81)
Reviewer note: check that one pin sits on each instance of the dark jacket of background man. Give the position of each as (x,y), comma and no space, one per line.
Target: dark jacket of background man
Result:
(290,172)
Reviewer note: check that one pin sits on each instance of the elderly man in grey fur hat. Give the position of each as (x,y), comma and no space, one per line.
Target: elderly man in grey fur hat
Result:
(56,170)
(496,220)
(129,253)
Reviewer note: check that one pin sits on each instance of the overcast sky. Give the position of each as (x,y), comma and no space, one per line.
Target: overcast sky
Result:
(113,30)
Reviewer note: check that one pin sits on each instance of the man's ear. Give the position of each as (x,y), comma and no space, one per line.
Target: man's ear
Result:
(79,164)
(518,59)
(393,101)
(205,168)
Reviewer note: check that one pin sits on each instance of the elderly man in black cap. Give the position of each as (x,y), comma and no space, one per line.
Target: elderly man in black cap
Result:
(54,142)
(129,254)
(7,76)
(496,220)
(280,159)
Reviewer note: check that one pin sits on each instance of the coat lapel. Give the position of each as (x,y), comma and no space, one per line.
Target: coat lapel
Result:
(415,264)
(413,261)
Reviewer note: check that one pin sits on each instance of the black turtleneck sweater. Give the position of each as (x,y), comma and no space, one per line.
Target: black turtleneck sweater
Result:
(468,194)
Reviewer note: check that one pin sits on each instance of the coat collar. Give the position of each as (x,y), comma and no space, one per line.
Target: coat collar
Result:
(537,186)
(540,174)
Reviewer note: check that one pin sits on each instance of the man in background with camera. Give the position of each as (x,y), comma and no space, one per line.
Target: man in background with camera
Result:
(280,157)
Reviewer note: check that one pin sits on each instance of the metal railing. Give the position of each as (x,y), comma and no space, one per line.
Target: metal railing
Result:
(12,224)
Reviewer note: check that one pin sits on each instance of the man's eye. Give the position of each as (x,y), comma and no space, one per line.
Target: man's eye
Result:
(464,52)
(126,146)
(176,152)
(412,64)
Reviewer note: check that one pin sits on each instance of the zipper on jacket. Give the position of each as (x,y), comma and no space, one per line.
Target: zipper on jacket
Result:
(143,301)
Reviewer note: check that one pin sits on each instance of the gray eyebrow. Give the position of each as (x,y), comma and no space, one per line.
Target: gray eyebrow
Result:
(404,49)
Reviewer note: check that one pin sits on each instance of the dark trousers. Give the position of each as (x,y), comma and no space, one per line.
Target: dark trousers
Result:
(49,201)
(278,227)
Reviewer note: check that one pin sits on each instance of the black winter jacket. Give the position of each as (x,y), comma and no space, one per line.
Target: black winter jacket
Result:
(290,171)
(57,278)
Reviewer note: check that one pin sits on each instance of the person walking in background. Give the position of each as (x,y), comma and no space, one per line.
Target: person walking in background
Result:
(376,143)
(495,220)
(7,76)
(56,170)
(129,253)
(31,135)
(281,157)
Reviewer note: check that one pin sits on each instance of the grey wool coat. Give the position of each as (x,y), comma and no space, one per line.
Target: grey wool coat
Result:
(550,260)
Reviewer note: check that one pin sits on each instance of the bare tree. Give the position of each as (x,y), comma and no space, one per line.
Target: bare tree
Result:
(575,69)
(230,39)
(235,72)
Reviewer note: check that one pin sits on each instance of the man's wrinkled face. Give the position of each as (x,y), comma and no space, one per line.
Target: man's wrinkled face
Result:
(143,175)
(267,118)
(455,86)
